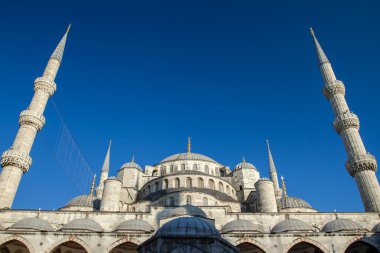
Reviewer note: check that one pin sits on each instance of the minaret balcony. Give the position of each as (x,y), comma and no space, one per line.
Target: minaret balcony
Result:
(345,121)
(17,159)
(45,84)
(32,118)
(361,163)
(331,90)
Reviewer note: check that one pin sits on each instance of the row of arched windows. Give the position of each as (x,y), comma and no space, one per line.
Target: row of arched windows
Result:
(183,167)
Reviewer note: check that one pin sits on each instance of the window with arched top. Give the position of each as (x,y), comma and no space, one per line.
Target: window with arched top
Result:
(189,182)
(177,183)
(228,190)
(221,188)
(188,200)
(205,201)
(166,184)
(154,173)
(195,167)
(229,209)
(183,167)
(163,171)
(200,183)
(171,168)
(211,184)
(207,170)
(233,192)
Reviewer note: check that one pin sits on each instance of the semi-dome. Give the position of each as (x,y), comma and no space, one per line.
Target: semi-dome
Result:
(32,224)
(188,210)
(292,225)
(135,225)
(84,201)
(131,165)
(188,226)
(83,225)
(341,225)
(293,202)
(239,226)
(188,156)
(244,165)
(376,228)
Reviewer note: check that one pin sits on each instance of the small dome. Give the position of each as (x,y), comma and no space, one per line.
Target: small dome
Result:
(113,178)
(84,201)
(188,156)
(341,225)
(245,165)
(188,226)
(32,224)
(83,224)
(376,228)
(134,225)
(131,165)
(188,210)
(292,225)
(239,226)
(293,202)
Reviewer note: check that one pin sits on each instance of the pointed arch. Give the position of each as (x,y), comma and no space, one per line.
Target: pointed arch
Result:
(252,241)
(27,244)
(121,241)
(306,240)
(69,239)
(360,239)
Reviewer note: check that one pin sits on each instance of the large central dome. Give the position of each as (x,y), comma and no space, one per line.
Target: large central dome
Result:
(188,156)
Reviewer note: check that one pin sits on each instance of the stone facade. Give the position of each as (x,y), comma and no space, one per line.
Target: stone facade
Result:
(188,202)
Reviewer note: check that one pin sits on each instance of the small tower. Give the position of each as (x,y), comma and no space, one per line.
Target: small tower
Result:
(16,160)
(273,174)
(360,164)
(104,173)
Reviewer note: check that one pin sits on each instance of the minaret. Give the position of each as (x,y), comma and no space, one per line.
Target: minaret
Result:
(16,160)
(93,185)
(273,173)
(104,173)
(360,164)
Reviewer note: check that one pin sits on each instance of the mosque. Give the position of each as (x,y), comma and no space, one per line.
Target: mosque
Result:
(188,202)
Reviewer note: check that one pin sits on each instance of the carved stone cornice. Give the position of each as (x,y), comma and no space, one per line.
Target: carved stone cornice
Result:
(17,159)
(336,88)
(345,121)
(45,84)
(361,163)
(32,118)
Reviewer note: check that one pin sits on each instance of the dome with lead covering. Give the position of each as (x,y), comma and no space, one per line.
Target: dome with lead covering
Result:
(131,165)
(135,225)
(341,225)
(83,225)
(245,165)
(188,156)
(32,224)
(84,201)
(188,210)
(293,202)
(240,226)
(188,226)
(292,225)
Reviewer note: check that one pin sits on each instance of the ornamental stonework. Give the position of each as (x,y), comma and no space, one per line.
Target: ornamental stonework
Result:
(45,84)
(17,159)
(336,88)
(345,121)
(32,118)
(361,163)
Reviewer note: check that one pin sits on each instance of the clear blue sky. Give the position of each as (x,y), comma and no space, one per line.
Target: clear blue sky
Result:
(230,74)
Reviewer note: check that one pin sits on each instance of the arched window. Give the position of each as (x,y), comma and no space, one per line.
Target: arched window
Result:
(163,171)
(171,168)
(195,167)
(183,167)
(154,173)
(207,171)
(205,201)
(155,186)
(166,184)
(188,200)
(221,188)
(229,209)
(217,172)
(249,247)
(133,209)
(200,183)
(177,183)
(233,192)
(189,182)
(228,190)
(307,247)
(241,187)
(211,184)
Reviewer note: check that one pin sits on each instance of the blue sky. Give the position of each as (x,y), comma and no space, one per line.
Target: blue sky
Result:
(230,74)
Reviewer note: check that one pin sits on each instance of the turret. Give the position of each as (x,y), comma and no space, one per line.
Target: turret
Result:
(265,195)
(111,195)
(16,160)
(104,172)
(360,164)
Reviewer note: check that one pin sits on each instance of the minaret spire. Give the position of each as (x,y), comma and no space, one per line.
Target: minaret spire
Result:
(273,173)
(283,186)
(104,172)
(360,164)
(93,185)
(16,160)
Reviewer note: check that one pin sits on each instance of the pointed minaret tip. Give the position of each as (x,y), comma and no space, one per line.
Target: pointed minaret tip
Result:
(311,31)
(320,53)
(58,52)
(68,28)
(188,145)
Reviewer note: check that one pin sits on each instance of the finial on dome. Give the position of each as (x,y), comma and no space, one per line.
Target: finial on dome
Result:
(188,145)
(133,159)
(244,160)
(93,185)
(283,186)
